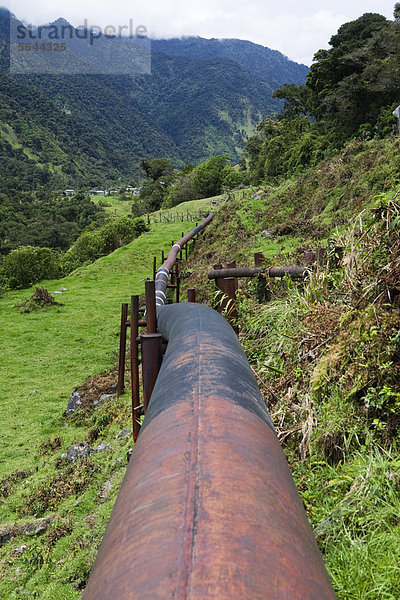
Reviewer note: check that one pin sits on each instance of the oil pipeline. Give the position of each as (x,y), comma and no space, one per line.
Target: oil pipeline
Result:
(208,508)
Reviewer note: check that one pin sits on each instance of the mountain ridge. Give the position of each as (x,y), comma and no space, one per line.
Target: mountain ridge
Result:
(202,98)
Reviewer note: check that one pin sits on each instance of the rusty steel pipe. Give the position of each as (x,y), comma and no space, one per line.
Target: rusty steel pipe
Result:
(163,271)
(208,509)
(294,272)
(191,295)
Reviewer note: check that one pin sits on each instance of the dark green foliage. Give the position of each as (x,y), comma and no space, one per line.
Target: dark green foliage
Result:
(231,177)
(28,264)
(207,177)
(90,130)
(156,168)
(297,99)
(181,191)
(43,220)
(351,91)
(93,244)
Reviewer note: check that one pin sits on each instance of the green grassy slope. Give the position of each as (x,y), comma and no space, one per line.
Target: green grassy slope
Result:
(327,353)
(45,356)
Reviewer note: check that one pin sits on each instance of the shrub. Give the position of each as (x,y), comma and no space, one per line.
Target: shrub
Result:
(27,265)
(91,245)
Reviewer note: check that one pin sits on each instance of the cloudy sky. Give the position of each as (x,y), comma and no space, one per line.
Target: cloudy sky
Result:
(298,29)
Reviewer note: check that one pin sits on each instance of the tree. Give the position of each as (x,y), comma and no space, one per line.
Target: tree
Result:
(27,265)
(297,99)
(333,65)
(207,177)
(156,168)
(396,12)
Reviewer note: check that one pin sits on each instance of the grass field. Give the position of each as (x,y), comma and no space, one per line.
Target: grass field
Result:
(44,356)
(113,206)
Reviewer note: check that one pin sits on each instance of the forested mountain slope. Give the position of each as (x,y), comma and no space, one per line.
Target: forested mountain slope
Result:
(87,130)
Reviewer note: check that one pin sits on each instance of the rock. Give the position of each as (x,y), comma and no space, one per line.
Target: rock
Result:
(20,549)
(256,197)
(121,459)
(78,451)
(266,234)
(63,290)
(5,535)
(123,433)
(57,292)
(103,398)
(74,403)
(102,447)
(36,527)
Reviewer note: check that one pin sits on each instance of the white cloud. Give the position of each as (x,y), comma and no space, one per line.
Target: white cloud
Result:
(298,29)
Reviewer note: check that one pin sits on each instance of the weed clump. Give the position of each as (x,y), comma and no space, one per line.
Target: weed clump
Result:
(71,479)
(40,299)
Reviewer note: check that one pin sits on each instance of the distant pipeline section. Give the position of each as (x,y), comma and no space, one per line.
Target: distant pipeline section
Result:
(208,508)
(162,274)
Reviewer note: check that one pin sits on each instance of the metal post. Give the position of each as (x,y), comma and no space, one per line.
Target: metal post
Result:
(151,363)
(258,259)
(231,287)
(232,265)
(320,255)
(229,302)
(191,294)
(154,267)
(122,350)
(134,321)
(310,257)
(151,313)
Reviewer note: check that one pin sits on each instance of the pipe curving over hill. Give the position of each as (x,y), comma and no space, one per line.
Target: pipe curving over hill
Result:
(163,272)
(208,508)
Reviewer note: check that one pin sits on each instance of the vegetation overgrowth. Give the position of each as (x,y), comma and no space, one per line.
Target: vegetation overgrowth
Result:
(325,351)
(48,350)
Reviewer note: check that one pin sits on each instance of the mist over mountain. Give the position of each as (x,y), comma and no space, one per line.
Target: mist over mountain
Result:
(203,97)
